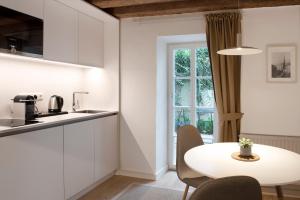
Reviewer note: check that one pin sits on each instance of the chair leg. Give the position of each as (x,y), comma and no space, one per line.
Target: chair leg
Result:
(185,192)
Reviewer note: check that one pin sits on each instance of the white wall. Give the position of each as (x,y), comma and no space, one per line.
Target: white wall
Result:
(19,76)
(24,76)
(143,137)
(269,108)
(161,139)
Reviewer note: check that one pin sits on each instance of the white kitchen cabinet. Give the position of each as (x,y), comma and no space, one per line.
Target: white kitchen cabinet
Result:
(60,32)
(90,41)
(106,146)
(78,157)
(29,7)
(69,35)
(57,163)
(31,165)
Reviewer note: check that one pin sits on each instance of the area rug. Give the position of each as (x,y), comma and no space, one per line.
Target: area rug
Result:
(149,192)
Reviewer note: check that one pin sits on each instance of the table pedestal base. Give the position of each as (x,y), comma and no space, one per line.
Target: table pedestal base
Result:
(279,192)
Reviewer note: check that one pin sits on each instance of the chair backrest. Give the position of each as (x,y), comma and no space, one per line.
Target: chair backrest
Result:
(188,137)
(229,188)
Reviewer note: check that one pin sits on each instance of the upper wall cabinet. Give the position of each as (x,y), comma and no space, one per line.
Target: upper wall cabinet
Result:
(60,32)
(90,41)
(30,7)
(69,35)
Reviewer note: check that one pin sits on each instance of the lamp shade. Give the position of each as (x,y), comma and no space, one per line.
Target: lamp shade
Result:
(239,51)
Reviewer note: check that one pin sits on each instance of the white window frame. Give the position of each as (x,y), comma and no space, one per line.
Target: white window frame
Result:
(171,88)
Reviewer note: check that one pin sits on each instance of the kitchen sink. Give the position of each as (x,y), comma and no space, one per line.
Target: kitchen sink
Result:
(90,111)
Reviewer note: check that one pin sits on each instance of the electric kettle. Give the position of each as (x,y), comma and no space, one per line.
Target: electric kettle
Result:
(55,104)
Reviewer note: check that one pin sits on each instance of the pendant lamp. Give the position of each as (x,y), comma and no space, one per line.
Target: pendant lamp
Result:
(239,50)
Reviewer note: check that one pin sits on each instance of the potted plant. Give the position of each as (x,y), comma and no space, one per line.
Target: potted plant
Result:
(245,147)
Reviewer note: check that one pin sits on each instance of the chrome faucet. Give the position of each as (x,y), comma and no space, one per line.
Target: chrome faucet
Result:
(75,104)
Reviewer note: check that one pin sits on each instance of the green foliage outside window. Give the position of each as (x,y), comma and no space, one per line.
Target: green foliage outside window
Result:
(203,89)
(206,126)
(202,62)
(182,69)
(182,118)
(182,62)
(203,86)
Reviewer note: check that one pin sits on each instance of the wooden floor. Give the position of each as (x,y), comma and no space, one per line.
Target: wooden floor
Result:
(117,184)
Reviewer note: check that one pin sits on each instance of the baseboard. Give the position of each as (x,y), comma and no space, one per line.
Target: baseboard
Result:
(85,191)
(161,172)
(143,175)
(136,174)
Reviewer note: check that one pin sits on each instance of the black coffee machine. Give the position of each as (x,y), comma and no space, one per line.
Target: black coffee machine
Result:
(24,107)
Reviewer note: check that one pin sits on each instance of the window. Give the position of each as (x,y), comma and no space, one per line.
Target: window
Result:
(191,92)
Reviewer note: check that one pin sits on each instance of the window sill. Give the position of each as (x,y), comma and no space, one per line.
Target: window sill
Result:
(207,139)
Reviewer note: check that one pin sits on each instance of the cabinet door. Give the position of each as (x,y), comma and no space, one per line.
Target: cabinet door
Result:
(60,32)
(29,7)
(78,157)
(90,41)
(31,165)
(106,146)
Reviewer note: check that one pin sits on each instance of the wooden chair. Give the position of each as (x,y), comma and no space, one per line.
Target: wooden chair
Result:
(187,138)
(229,188)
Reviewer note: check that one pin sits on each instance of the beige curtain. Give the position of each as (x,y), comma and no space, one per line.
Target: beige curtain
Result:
(221,33)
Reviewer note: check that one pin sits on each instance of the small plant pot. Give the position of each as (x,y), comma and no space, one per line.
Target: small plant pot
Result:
(245,151)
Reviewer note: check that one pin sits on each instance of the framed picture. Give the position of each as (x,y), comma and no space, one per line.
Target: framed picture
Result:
(281,63)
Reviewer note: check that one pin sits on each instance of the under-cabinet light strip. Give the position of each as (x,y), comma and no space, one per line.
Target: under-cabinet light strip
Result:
(41,60)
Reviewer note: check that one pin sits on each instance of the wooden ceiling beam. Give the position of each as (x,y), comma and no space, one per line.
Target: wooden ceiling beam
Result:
(122,3)
(267,3)
(189,6)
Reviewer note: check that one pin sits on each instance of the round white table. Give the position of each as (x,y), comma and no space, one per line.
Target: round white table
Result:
(276,166)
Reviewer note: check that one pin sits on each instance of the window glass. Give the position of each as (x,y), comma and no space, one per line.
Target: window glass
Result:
(204,93)
(182,117)
(182,92)
(182,62)
(192,95)
(202,62)
(205,121)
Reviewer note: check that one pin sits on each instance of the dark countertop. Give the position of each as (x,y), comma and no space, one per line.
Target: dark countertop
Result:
(48,122)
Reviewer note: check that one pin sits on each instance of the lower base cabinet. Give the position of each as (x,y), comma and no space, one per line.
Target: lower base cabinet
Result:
(31,165)
(106,146)
(58,163)
(90,153)
(78,157)
(91,150)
